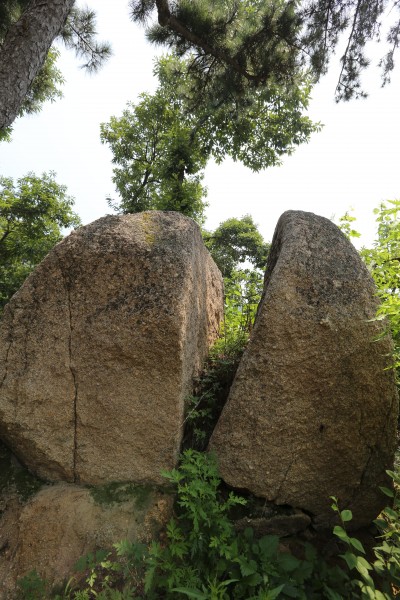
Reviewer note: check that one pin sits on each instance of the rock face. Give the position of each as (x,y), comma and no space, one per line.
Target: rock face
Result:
(62,523)
(99,347)
(312,412)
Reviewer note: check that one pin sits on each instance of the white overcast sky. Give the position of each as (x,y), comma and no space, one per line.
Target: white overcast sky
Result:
(353,162)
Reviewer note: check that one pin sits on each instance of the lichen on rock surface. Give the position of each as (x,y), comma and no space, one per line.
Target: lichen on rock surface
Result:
(312,412)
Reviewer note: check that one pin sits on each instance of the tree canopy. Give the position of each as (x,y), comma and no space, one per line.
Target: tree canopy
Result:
(231,46)
(33,211)
(162,144)
(240,252)
(247,43)
(235,242)
(159,157)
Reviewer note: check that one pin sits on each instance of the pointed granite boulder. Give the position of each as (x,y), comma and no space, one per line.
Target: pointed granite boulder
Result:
(313,409)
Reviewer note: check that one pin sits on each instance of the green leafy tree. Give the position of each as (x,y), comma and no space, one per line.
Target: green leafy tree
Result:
(162,144)
(325,20)
(234,242)
(159,157)
(240,252)
(32,213)
(232,45)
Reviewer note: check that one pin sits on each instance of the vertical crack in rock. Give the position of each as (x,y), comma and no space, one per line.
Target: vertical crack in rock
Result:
(3,379)
(75,448)
(73,374)
(8,351)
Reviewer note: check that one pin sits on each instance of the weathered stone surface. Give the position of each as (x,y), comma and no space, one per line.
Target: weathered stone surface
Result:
(63,522)
(312,412)
(99,346)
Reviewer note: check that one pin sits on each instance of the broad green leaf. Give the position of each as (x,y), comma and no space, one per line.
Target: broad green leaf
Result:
(350,558)
(288,562)
(357,544)
(387,492)
(273,594)
(346,515)
(340,533)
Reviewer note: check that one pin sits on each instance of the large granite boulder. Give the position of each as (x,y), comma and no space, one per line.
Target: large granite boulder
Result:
(99,346)
(312,412)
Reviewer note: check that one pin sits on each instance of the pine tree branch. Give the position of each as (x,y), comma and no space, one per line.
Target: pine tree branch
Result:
(344,57)
(166,19)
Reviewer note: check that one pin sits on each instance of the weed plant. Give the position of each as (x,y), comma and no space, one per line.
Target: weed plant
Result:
(203,557)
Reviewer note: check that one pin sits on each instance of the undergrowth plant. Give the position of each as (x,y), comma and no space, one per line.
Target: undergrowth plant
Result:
(383,262)
(203,556)
(210,393)
(242,295)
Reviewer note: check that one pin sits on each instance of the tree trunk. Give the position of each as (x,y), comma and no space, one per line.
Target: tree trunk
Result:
(24,51)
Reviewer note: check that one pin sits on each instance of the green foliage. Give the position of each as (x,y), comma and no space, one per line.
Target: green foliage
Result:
(79,34)
(161,145)
(239,46)
(32,587)
(387,553)
(232,47)
(255,126)
(101,571)
(32,212)
(324,22)
(243,291)
(345,224)
(203,556)
(206,558)
(210,393)
(375,579)
(383,261)
(159,158)
(45,87)
(234,242)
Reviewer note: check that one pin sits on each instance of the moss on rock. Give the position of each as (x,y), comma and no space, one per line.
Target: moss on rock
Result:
(15,478)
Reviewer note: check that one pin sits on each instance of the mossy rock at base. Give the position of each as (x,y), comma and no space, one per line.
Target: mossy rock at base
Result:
(119,492)
(15,478)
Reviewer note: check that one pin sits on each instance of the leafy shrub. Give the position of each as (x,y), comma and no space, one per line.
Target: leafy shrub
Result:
(211,390)
(202,555)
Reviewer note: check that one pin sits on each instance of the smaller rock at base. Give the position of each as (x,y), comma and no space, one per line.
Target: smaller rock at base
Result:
(62,523)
